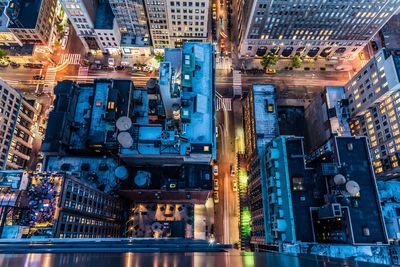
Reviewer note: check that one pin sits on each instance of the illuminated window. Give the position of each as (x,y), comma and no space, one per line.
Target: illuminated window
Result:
(110,105)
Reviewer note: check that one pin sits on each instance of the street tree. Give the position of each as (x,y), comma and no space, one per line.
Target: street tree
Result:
(269,60)
(296,61)
(3,53)
(159,57)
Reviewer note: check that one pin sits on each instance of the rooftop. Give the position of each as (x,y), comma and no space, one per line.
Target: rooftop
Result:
(104,16)
(99,172)
(23,13)
(131,40)
(187,90)
(265,113)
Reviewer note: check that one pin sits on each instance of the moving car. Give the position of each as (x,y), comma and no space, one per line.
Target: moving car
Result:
(216,185)
(216,197)
(38,77)
(214,7)
(214,15)
(111,62)
(215,170)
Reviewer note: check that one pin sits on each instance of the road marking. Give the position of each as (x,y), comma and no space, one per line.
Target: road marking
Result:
(49,80)
(83,73)
(72,59)
(237,83)
(224,104)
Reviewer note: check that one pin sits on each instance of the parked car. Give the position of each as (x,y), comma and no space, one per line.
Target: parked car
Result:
(233,172)
(215,170)
(216,197)
(234,185)
(4,63)
(119,68)
(216,185)
(28,65)
(37,66)
(15,64)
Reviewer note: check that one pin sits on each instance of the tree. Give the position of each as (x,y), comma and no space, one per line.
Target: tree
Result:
(269,60)
(296,61)
(159,57)
(3,53)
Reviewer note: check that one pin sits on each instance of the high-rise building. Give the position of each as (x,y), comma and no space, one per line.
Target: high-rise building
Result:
(337,29)
(32,21)
(260,127)
(333,199)
(17,119)
(55,205)
(131,16)
(374,99)
(326,116)
(132,22)
(173,22)
(94,24)
(6,36)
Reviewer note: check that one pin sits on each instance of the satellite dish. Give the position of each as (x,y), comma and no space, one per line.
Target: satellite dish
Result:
(125,139)
(353,188)
(121,172)
(339,179)
(124,123)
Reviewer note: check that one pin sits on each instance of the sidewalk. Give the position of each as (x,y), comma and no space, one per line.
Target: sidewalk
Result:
(307,64)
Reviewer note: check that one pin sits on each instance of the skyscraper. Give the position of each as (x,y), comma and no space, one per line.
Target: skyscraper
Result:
(17,119)
(374,101)
(32,21)
(174,22)
(94,24)
(337,29)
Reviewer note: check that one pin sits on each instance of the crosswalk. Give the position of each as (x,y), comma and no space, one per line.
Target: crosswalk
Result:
(83,73)
(72,59)
(49,80)
(224,104)
(237,83)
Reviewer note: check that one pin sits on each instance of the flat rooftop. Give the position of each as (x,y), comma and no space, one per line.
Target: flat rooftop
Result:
(104,16)
(95,171)
(187,90)
(265,113)
(23,13)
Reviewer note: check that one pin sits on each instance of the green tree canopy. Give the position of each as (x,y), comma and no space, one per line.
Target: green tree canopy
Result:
(159,57)
(296,61)
(3,53)
(269,60)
